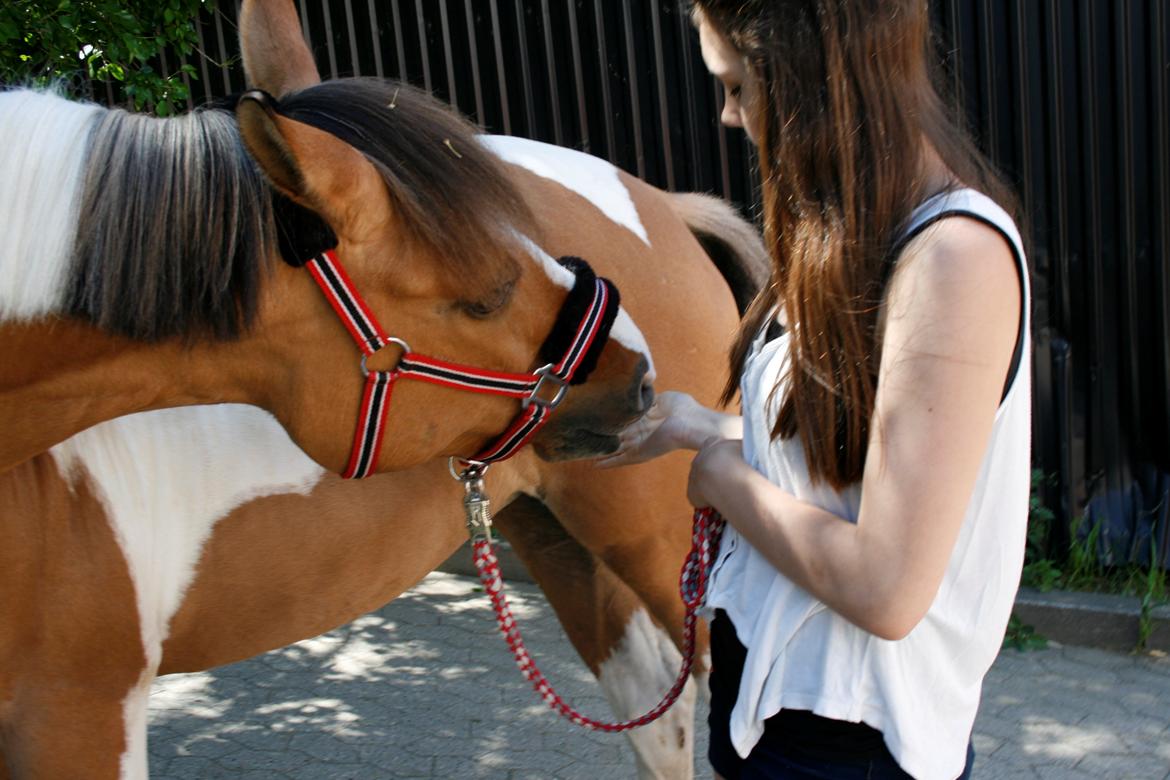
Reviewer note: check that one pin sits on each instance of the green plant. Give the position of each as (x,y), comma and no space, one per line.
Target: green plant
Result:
(1041,575)
(1085,571)
(1040,571)
(1023,637)
(1153,594)
(72,43)
(1079,567)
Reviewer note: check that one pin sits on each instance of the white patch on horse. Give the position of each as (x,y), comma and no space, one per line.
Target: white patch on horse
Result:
(624,331)
(44,142)
(638,672)
(165,478)
(592,178)
(135,764)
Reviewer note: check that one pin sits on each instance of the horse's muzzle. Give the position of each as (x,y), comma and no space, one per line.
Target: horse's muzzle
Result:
(591,432)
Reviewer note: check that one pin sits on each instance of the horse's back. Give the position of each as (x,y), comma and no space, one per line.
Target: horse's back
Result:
(631,232)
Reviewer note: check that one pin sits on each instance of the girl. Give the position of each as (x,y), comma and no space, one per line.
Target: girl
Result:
(876,486)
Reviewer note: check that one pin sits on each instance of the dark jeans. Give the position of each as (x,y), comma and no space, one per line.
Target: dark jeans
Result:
(766,762)
(796,745)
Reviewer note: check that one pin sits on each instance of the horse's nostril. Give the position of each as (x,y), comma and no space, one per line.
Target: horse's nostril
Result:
(641,392)
(647,394)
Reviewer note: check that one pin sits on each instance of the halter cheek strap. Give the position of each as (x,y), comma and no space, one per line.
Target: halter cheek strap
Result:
(572,350)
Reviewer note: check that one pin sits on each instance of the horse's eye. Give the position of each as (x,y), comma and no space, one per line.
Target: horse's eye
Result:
(490,304)
(479,310)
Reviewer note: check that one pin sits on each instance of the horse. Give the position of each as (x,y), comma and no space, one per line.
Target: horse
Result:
(143,268)
(181,539)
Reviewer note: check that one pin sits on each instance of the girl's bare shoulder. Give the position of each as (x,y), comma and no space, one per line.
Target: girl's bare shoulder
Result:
(958,263)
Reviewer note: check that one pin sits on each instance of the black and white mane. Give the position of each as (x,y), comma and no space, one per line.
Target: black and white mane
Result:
(175,224)
(174,230)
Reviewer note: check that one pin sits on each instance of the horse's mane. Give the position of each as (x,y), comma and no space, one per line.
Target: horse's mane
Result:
(448,188)
(177,223)
(174,229)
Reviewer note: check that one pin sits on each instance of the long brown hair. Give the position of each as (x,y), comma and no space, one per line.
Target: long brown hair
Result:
(847,98)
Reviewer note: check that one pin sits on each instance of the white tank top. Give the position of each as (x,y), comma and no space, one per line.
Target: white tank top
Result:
(922,692)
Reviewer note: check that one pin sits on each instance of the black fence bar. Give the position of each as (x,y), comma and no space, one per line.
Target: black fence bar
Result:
(353,39)
(635,97)
(551,65)
(448,55)
(663,96)
(1159,31)
(375,40)
(501,73)
(330,47)
(399,39)
(578,76)
(1071,98)
(219,37)
(525,68)
(603,80)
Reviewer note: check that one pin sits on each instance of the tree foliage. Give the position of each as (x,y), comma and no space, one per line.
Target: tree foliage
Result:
(74,43)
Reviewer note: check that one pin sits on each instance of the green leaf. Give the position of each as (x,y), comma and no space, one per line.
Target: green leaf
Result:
(1023,637)
(41,41)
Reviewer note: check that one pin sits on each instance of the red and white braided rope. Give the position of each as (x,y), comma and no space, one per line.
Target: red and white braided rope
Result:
(705,535)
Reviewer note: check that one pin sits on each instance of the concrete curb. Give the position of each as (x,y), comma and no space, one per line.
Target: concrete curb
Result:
(1082,619)
(1092,619)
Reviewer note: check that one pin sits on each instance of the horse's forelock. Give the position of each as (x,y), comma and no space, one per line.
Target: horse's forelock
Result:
(450,191)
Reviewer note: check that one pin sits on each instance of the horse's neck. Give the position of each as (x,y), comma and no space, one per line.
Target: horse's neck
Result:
(59,374)
(60,377)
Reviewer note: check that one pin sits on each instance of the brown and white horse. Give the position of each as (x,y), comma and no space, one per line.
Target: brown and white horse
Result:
(141,266)
(181,539)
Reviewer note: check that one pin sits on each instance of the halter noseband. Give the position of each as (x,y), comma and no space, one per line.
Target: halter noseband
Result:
(571,351)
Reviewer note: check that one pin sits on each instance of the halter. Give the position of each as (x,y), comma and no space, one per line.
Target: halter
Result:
(571,352)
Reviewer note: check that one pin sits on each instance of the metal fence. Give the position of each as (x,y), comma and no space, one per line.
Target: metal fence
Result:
(621,79)
(1070,97)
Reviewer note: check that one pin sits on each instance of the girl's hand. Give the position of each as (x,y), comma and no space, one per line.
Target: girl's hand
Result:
(713,465)
(665,427)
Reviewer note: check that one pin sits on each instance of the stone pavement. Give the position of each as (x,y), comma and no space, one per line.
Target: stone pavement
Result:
(425,687)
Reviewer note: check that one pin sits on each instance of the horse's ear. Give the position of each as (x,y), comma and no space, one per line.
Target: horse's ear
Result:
(276,57)
(315,169)
(258,120)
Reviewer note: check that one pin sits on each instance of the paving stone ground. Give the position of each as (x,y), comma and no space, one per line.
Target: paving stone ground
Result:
(426,688)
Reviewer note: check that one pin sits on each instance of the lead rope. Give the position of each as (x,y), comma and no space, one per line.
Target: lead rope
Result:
(705,535)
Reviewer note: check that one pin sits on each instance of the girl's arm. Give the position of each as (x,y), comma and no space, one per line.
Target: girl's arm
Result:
(952,318)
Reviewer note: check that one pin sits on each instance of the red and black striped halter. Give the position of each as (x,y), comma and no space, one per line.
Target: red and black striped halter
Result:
(571,352)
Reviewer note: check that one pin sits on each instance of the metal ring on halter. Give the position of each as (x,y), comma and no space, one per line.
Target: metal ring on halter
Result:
(475,468)
(391,340)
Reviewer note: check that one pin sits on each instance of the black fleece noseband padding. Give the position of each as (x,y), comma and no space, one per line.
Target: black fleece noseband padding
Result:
(573,310)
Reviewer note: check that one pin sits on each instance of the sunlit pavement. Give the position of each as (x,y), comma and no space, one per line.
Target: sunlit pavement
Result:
(425,687)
